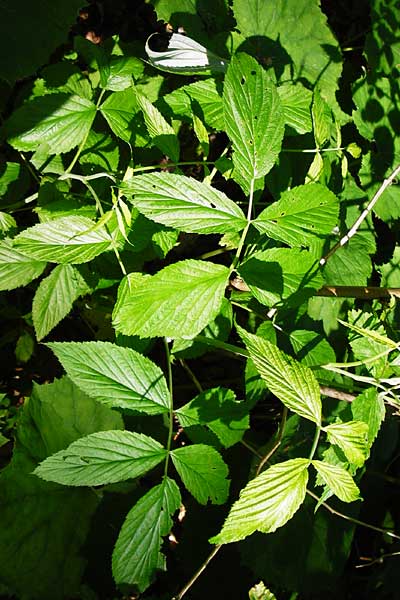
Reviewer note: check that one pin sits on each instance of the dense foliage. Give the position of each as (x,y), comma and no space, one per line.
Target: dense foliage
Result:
(199,265)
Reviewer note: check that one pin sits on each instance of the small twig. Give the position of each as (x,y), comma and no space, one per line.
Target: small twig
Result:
(198,573)
(379,560)
(336,394)
(191,375)
(362,292)
(355,521)
(277,443)
(353,230)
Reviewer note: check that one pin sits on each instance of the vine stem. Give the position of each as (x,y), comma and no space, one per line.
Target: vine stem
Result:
(315,442)
(353,520)
(194,578)
(275,447)
(353,230)
(171,405)
(246,229)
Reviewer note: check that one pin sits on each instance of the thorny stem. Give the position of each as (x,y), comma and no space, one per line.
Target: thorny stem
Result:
(171,405)
(277,443)
(353,230)
(352,519)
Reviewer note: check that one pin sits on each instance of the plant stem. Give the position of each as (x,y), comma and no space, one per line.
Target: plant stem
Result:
(277,443)
(191,581)
(312,150)
(171,405)
(176,164)
(355,521)
(245,230)
(315,442)
(353,230)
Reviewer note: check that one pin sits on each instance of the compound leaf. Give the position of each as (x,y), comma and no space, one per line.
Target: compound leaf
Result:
(267,502)
(338,480)
(351,437)
(17,269)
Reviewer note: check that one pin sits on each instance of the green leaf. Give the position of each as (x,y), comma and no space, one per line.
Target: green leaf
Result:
(254,118)
(7,222)
(297,31)
(3,440)
(184,203)
(60,121)
(220,411)
(322,119)
(203,93)
(64,240)
(369,407)
(43,525)
(121,69)
(296,106)
(102,458)
(55,296)
(302,214)
(293,383)
(203,472)
(16,269)
(137,553)
(338,480)
(42,28)
(281,274)
(351,437)
(25,347)
(267,502)
(115,376)
(179,301)
(120,110)
(159,129)
(260,592)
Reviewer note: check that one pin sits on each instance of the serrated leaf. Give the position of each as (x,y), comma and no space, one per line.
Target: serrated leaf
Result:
(184,203)
(219,410)
(121,69)
(55,296)
(7,222)
(293,383)
(260,592)
(296,106)
(369,407)
(64,240)
(102,458)
(17,269)
(300,215)
(120,110)
(338,480)
(60,121)
(159,129)
(254,118)
(179,301)
(281,274)
(267,502)
(322,119)
(115,376)
(137,554)
(203,472)
(351,437)
(205,94)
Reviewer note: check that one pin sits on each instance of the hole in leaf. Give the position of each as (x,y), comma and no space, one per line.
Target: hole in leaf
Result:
(253,72)
(251,142)
(255,117)
(243,80)
(283,214)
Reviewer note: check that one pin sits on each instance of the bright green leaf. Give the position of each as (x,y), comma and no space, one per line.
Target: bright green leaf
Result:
(351,437)
(159,129)
(254,118)
(115,376)
(338,480)
(7,222)
(184,203)
(137,554)
(102,458)
(64,240)
(322,119)
(59,121)
(121,69)
(293,383)
(369,407)
(120,110)
(180,300)
(17,269)
(55,296)
(296,106)
(203,93)
(260,592)
(267,502)
(301,215)
(203,472)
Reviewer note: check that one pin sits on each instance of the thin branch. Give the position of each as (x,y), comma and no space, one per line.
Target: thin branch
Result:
(336,394)
(353,230)
(355,521)
(362,292)
(191,581)
(278,442)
